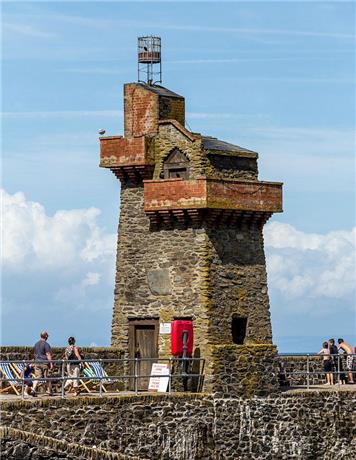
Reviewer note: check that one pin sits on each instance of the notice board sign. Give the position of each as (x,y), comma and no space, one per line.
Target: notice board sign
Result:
(159,384)
(165,328)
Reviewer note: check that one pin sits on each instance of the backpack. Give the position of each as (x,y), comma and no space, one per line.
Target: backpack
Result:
(69,353)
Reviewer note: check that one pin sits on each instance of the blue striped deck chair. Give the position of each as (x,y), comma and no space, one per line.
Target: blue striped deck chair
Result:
(95,369)
(7,373)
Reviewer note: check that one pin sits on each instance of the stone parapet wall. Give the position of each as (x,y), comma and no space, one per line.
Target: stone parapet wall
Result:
(292,370)
(239,370)
(89,353)
(293,425)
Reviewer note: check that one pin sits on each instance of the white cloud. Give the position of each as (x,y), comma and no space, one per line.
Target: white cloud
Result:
(32,240)
(55,267)
(305,266)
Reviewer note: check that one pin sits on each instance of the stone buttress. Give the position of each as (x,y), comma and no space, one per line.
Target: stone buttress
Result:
(190,243)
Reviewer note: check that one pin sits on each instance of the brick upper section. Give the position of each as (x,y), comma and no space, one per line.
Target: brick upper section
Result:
(215,194)
(119,151)
(145,106)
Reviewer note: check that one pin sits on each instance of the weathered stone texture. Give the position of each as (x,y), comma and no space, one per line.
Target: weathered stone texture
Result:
(171,136)
(316,425)
(222,166)
(240,370)
(238,284)
(179,254)
(23,445)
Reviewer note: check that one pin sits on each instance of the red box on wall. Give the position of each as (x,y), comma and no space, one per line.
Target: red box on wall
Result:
(178,328)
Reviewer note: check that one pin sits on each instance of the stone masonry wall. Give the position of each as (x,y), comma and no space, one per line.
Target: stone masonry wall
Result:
(17,444)
(238,284)
(244,370)
(301,426)
(170,137)
(231,167)
(159,272)
(207,275)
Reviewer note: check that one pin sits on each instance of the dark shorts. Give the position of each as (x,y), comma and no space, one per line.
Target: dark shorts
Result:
(327,366)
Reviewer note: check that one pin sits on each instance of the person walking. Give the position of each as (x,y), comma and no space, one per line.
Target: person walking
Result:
(43,362)
(73,357)
(335,360)
(349,358)
(327,363)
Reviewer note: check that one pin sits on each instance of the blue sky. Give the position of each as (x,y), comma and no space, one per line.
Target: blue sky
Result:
(276,77)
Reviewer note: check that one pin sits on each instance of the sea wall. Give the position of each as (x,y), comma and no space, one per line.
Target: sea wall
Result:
(293,369)
(17,444)
(293,425)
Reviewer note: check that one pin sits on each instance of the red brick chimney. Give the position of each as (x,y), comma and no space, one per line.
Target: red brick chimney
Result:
(145,105)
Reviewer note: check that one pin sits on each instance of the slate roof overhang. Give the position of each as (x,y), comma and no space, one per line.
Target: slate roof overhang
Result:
(217,147)
(160,90)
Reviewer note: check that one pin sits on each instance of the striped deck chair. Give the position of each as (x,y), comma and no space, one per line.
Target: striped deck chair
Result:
(95,369)
(7,373)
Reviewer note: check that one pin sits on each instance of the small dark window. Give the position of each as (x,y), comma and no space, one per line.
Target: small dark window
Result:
(177,172)
(238,329)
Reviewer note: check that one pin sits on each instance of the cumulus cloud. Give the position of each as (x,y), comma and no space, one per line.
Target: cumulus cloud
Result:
(32,240)
(56,268)
(303,266)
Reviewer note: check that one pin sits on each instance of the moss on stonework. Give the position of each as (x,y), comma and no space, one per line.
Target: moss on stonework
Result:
(250,383)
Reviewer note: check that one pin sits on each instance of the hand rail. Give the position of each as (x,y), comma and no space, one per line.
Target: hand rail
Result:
(60,365)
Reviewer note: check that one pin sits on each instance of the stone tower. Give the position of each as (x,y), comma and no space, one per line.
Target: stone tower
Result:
(190,242)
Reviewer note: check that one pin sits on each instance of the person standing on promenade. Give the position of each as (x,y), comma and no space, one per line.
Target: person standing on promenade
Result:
(327,363)
(43,361)
(337,365)
(73,357)
(349,358)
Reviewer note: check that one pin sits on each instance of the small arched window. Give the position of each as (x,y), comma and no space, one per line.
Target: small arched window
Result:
(176,165)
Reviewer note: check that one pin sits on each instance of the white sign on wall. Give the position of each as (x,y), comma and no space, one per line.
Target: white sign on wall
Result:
(165,328)
(159,383)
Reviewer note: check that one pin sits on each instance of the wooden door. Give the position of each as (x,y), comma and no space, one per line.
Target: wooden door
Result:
(143,344)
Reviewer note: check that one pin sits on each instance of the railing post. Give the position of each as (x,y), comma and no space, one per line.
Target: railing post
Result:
(23,381)
(101,379)
(170,376)
(308,370)
(136,375)
(338,371)
(62,373)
